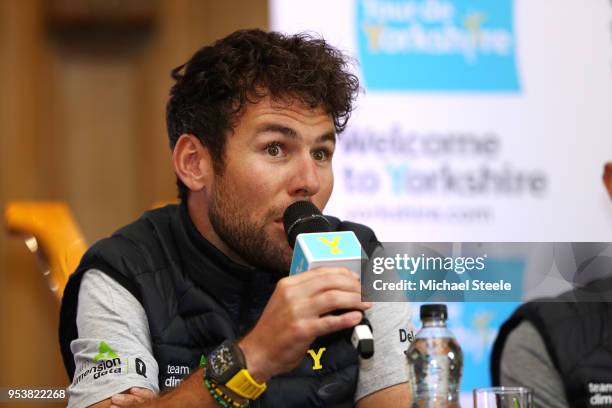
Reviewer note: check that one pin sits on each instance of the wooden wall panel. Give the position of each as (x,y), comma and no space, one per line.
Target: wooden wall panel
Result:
(28,310)
(96,106)
(87,128)
(189,25)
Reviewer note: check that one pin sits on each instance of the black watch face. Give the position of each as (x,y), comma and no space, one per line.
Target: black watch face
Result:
(222,361)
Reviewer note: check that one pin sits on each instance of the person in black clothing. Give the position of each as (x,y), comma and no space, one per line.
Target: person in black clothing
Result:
(252,122)
(561,347)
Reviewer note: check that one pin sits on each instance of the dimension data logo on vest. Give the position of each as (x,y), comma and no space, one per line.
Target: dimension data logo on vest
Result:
(437,45)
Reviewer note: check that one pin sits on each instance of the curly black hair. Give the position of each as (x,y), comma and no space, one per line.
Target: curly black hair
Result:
(214,86)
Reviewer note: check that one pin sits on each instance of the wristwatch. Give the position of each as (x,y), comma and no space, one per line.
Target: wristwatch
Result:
(226,366)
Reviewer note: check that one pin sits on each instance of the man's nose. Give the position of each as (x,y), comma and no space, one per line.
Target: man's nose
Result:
(305,181)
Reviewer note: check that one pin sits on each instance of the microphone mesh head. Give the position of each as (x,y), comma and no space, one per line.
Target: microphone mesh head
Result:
(303,217)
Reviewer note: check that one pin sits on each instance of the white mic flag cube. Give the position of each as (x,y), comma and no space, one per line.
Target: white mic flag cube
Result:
(338,249)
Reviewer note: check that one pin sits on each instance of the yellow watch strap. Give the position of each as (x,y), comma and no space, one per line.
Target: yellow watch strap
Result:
(245,386)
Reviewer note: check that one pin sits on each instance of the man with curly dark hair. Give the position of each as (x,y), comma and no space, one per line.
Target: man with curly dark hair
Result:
(194,299)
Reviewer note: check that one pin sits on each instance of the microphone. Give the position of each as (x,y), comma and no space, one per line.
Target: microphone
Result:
(315,244)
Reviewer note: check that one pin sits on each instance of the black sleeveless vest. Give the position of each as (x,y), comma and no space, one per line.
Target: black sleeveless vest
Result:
(578,339)
(195,298)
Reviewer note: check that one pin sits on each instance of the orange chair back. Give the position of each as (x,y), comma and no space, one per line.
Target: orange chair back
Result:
(50,232)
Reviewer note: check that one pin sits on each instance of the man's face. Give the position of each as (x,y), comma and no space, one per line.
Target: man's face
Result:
(277,154)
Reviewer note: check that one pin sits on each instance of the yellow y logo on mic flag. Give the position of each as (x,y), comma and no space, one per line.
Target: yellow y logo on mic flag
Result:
(333,244)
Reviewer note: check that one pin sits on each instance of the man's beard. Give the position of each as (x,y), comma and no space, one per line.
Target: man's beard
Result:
(230,220)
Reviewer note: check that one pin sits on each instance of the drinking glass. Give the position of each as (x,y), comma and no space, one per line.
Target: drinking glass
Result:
(503,397)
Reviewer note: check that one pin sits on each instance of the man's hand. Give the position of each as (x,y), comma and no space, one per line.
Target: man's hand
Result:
(191,393)
(135,395)
(128,398)
(297,313)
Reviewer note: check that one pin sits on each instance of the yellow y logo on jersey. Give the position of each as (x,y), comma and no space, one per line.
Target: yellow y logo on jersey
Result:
(333,244)
(316,358)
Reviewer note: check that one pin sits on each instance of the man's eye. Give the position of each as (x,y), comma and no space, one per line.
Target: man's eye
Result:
(320,155)
(274,149)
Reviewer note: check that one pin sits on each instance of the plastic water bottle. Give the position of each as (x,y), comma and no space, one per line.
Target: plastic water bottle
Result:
(435,361)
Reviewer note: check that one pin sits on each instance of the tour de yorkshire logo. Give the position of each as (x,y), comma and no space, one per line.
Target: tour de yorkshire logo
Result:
(437,45)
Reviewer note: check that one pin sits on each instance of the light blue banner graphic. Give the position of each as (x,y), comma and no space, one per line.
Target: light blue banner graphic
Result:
(437,45)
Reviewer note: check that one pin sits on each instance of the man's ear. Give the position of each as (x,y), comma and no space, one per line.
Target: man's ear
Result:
(192,162)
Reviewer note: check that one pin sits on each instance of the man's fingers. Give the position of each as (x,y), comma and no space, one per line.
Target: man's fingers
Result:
(336,299)
(135,395)
(328,283)
(333,323)
(319,273)
(142,392)
(126,400)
